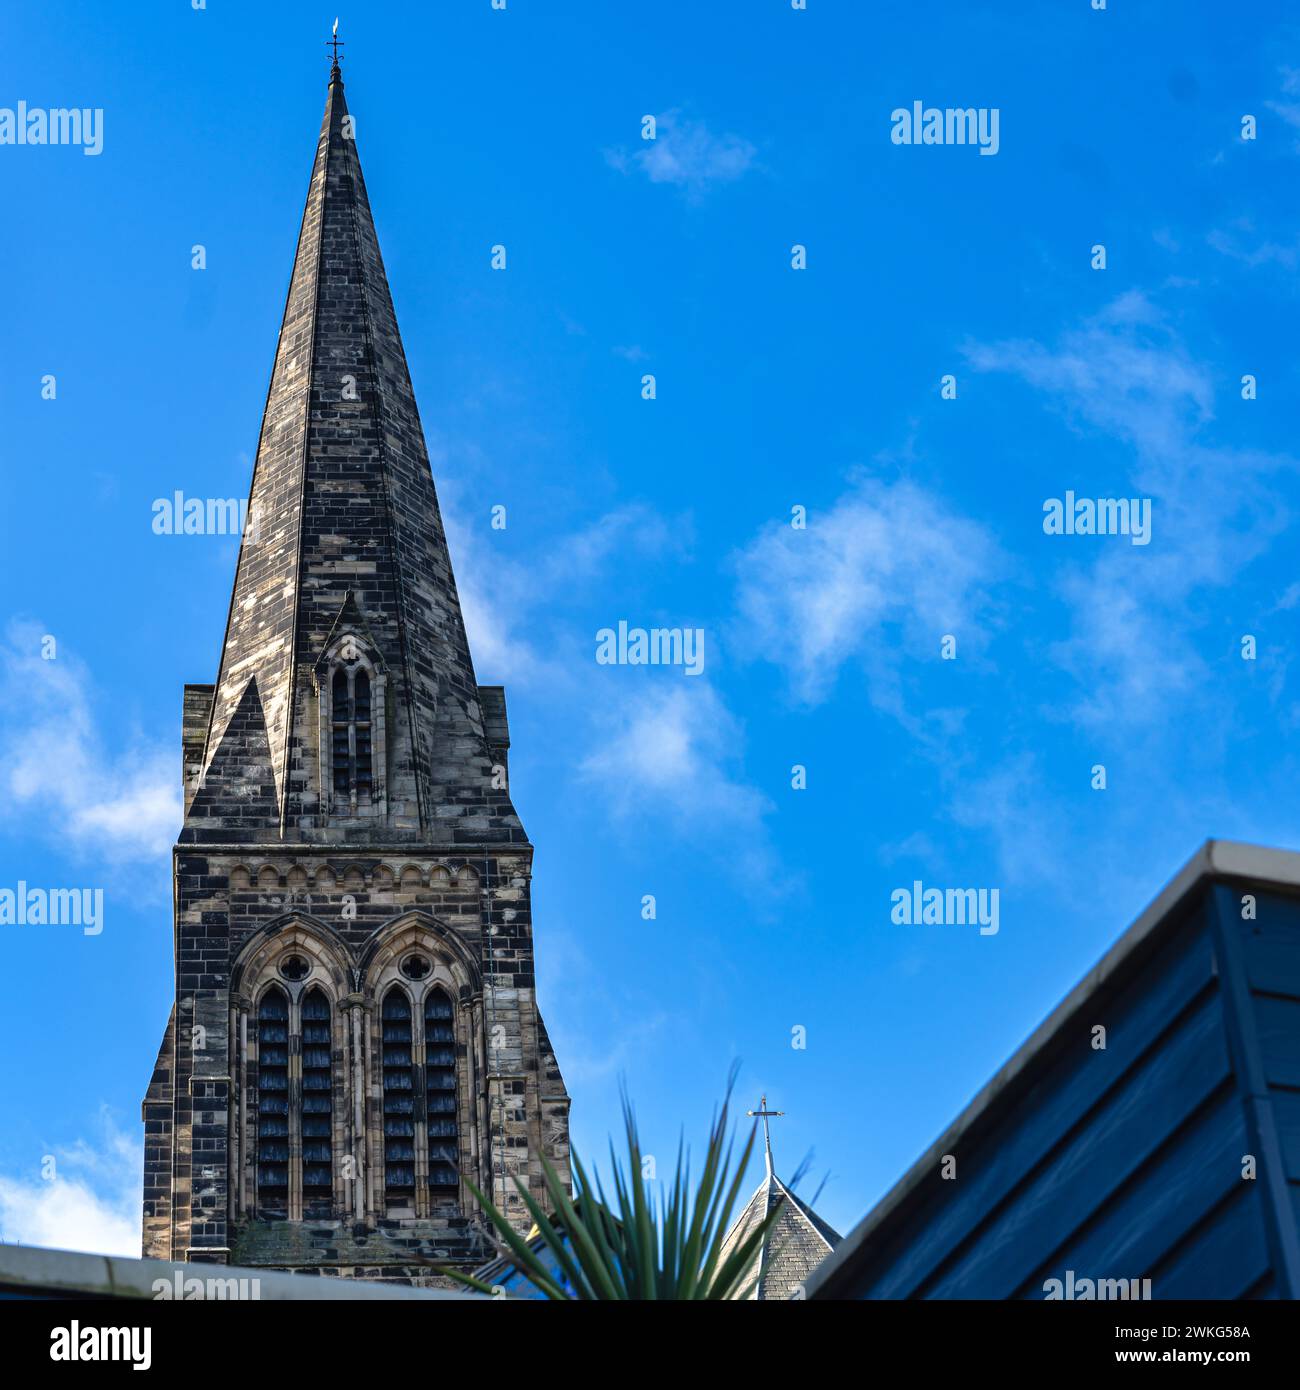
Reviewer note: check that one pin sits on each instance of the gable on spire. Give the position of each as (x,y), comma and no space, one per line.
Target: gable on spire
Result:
(237,791)
(350,625)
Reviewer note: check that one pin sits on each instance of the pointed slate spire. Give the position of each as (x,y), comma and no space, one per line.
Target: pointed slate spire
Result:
(797,1241)
(345,533)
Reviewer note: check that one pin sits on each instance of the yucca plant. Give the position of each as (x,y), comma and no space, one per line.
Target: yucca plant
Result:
(634,1247)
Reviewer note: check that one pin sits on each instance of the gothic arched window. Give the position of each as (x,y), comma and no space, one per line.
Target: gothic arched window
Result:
(399,1096)
(317,1105)
(361,733)
(273,1102)
(351,739)
(351,688)
(342,716)
(440,1089)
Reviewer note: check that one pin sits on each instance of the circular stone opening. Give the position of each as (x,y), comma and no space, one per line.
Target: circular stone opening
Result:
(295,967)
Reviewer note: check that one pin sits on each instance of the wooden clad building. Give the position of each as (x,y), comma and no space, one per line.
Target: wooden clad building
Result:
(1144,1142)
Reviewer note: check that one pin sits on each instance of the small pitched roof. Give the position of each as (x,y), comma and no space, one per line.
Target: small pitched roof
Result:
(237,793)
(795,1244)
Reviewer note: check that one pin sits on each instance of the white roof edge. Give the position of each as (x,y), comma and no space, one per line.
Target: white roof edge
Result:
(1214,859)
(69,1272)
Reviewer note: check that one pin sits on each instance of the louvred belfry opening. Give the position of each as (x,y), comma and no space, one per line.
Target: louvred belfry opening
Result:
(399,1098)
(440,1081)
(317,1104)
(273,1102)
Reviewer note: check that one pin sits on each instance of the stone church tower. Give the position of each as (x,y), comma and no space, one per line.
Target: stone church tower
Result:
(355,1033)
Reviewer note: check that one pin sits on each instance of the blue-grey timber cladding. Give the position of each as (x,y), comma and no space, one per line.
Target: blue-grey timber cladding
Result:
(1131,1162)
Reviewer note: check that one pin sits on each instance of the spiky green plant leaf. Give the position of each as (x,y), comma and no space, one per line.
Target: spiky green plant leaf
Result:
(635,1247)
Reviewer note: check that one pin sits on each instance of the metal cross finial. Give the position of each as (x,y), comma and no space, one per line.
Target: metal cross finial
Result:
(765,1114)
(335,43)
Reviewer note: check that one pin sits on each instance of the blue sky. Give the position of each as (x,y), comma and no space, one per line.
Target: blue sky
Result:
(775,388)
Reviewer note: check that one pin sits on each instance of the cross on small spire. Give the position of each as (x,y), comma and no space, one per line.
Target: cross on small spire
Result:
(765,1114)
(335,43)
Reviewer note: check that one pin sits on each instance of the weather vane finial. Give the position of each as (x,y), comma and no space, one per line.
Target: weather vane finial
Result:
(335,43)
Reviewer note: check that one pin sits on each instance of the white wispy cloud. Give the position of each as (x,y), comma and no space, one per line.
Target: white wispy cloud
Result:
(670,756)
(669,747)
(90,1201)
(503,599)
(1240,243)
(1288,108)
(889,568)
(666,748)
(1127,373)
(494,601)
(687,154)
(58,772)
(1122,370)
(608,1026)
(1009,803)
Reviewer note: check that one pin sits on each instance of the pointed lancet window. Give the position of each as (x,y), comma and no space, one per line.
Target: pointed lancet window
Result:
(317,1105)
(273,1103)
(342,710)
(361,726)
(351,732)
(440,1085)
(399,1097)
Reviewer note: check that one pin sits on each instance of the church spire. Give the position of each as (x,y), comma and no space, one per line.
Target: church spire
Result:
(352,887)
(795,1243)
(344,565)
